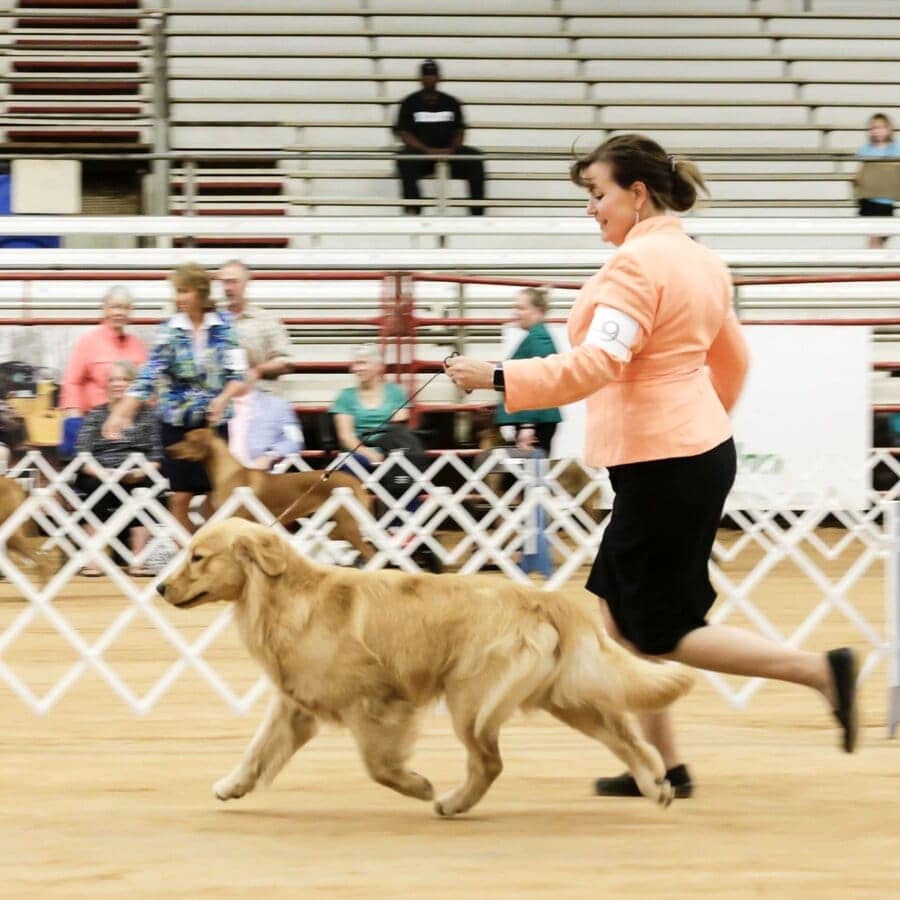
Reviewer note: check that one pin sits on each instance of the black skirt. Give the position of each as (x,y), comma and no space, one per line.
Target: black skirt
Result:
(652,568)
(184,475)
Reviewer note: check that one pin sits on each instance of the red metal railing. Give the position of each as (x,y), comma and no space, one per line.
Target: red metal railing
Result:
(397,324)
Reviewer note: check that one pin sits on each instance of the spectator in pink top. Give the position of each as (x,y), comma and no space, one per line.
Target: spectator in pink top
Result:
(659,357)
(84,384)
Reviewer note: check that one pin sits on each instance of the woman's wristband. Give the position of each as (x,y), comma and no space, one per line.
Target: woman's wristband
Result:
(499,380)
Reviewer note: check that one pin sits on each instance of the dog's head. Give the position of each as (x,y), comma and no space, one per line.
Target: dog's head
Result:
(195,445)
(223,557)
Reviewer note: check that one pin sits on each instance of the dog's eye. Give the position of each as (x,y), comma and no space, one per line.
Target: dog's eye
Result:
(196,557)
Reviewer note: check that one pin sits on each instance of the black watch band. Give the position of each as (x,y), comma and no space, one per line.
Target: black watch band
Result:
(499,380)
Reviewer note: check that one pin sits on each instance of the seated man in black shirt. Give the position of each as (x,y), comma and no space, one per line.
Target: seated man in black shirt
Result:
(431,122)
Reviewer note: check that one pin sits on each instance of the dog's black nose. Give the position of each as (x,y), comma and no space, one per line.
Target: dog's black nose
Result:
(161,589)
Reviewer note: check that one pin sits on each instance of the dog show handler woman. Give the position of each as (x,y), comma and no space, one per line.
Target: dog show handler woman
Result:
(659,356)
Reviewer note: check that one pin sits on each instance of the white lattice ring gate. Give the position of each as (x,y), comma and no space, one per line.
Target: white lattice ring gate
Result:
(469,519)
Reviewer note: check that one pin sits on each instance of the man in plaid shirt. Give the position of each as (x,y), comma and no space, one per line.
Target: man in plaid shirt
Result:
(260,333)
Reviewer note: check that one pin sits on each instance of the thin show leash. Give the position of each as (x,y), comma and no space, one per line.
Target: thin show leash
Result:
(336,464)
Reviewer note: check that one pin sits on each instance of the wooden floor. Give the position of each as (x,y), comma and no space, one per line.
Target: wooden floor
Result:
(100,803)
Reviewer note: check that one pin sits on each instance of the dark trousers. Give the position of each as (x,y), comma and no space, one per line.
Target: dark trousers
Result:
(108,503)
(471,170)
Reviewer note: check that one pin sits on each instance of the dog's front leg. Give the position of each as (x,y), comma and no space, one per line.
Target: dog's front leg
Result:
(285,728)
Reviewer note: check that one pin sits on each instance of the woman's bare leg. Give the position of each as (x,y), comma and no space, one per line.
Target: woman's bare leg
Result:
(733,651)
(658,728)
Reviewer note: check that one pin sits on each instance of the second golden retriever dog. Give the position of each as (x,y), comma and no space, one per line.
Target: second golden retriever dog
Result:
(302,492)
(371,649)
(24,544)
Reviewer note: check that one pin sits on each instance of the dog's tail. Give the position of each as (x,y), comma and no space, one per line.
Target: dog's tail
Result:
(594,669)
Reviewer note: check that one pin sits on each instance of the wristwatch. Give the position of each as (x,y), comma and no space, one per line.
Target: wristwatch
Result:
(499,380)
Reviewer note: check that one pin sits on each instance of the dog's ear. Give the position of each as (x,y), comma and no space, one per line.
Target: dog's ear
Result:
(267,550)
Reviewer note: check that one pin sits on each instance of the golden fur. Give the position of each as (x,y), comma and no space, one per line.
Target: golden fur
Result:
(298,494)
(24,544)
(370,649)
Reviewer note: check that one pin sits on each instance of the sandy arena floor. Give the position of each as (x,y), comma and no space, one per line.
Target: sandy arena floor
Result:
(100,803)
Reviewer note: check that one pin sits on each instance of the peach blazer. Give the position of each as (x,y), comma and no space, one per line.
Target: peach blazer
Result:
(688,362)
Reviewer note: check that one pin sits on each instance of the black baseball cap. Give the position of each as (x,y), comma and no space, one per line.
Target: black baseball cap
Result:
(429,67)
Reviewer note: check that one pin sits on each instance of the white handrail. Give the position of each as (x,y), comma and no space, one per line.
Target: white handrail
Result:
(404,259)
(212,226)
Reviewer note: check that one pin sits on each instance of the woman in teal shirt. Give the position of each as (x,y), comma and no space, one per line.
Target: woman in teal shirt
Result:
(361,409)
(371,412)
(530,309)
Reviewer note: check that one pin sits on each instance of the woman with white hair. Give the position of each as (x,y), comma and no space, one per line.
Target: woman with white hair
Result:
(143,436)
(369,419)
(361,409)
(84,381)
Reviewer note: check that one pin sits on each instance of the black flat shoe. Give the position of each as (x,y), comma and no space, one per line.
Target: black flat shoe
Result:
(844,667)
(625,786)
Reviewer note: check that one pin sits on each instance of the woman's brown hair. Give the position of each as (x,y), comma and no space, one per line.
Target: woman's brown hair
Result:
(672,182)
(193,277)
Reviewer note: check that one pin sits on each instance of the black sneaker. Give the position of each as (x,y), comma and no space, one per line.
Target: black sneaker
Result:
(844,666)
(625,786)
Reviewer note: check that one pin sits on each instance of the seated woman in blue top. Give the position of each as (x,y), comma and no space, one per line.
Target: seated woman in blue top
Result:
(881,143)
(360,411)
(195,368)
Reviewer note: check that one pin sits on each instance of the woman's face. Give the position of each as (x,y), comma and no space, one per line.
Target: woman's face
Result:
(525,314)
(879,131)
(612,207)
(187,300)
(117,383)
(117,313)
(366,370)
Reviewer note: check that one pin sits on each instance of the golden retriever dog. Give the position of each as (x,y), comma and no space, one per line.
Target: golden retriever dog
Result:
(370,649)
(299,494)
(24,544)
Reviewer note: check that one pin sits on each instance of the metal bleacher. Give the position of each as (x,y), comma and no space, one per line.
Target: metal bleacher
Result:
(770,95)
(723,80)
(75,74)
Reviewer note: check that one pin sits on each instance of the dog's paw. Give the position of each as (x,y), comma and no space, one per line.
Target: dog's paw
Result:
(229,788)
(665,793)
(448,805)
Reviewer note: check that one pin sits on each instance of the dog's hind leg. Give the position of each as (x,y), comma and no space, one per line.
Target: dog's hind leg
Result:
(483,761)
(478,716)
(284,730)
(347,528)
(617,732)
(385,731)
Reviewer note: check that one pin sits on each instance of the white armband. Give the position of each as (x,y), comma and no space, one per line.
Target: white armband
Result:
(236,359)
(613,331)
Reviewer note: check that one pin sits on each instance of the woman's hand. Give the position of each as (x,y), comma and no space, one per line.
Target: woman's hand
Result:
(215,412)
(470,374)
(526,438)
(371,454)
